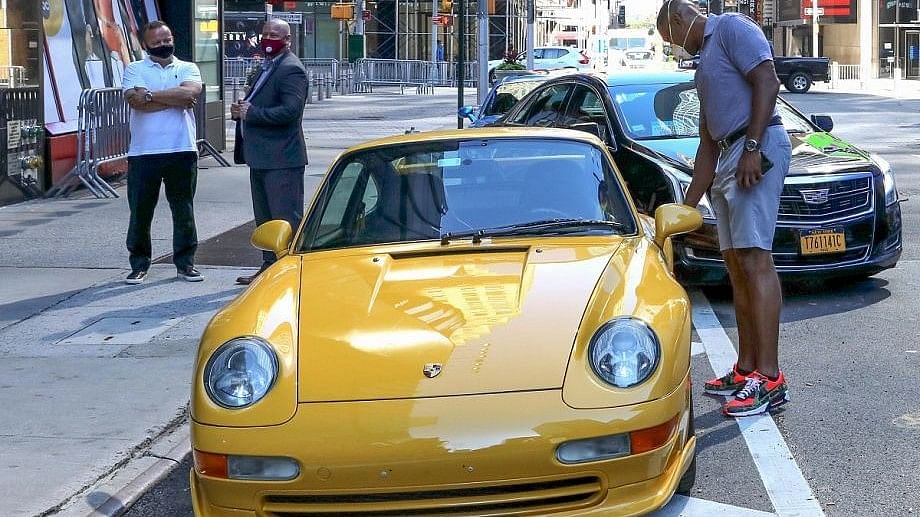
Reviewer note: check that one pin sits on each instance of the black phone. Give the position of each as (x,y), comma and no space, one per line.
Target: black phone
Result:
(765,163)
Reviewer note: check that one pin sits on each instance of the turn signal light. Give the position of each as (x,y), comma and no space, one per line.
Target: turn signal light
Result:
(210,464)
(652,438)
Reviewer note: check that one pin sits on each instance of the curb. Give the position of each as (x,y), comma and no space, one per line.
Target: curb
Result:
(122,500)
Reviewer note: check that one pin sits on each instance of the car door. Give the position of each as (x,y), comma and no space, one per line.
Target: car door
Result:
(544,107)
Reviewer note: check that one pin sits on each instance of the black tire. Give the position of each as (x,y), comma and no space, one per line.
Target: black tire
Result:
(798,82)
(685,485)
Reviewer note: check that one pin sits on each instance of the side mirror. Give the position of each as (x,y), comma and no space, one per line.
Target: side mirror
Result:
(273,236)
(467,112)
(673,219)
(825,122)
(590,127)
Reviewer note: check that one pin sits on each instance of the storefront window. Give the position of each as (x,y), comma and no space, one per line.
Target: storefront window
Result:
(907,11)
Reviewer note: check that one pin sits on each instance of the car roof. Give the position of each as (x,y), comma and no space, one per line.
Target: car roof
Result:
(524,78)
(635,78)
(482,132)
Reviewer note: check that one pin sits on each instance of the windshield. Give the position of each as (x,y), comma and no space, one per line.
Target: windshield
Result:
(433,190)
(507,95)
(660,111)
(625,43)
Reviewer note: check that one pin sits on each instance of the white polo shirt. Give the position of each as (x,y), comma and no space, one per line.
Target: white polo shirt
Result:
(168,131)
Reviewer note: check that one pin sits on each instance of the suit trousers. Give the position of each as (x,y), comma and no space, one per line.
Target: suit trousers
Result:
(179,173)
(277,194)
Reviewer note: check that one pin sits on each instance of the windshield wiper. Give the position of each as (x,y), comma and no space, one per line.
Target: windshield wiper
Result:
(558,225)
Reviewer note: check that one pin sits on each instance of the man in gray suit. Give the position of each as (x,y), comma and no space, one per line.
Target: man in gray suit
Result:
(269,134)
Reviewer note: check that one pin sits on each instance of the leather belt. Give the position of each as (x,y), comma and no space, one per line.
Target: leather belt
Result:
(727,142)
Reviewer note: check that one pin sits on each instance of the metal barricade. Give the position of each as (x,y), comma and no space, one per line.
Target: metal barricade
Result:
(236,72)
(103,136)
(321,66)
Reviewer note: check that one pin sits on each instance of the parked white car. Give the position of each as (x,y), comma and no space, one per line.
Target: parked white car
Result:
(550,58)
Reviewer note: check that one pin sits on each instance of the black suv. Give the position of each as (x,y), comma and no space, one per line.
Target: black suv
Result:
(650,123)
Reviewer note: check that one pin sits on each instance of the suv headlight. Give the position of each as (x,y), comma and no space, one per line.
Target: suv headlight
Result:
(891,189)
(624,352)
(240,372)
(703,206)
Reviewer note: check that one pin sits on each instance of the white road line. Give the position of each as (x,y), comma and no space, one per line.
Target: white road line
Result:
(785,484)
(682,506)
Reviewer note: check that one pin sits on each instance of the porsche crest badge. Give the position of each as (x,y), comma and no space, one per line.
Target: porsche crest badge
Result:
(431,370)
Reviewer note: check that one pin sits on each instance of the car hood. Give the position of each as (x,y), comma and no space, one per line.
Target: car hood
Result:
(812,153)
(430,322)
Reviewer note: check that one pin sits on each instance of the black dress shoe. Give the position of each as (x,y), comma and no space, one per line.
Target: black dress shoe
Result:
(246,280)
(189,274)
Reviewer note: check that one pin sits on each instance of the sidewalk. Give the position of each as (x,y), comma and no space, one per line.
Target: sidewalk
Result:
(900,89)
(92,371)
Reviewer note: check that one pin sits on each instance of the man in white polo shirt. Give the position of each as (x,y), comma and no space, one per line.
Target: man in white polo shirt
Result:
(162,90)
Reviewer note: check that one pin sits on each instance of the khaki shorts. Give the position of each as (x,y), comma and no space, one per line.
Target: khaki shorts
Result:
(746,218)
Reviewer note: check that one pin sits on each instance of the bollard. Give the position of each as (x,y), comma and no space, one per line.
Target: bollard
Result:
(310,87)
(319,88)
(328,84)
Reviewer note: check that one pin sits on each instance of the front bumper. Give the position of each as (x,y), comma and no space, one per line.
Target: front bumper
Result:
(873,245)
(476,455)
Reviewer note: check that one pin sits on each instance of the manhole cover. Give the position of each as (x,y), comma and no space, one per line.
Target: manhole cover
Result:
(121,331)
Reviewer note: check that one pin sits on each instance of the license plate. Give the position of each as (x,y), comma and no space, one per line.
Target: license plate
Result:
(823,240)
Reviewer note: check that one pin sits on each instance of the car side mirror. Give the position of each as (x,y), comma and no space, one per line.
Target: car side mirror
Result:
(825,122)
(274,236)
(673,219)
(590,127)
(468,112)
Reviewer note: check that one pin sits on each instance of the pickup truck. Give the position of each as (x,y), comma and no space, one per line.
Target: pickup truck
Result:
(796,73)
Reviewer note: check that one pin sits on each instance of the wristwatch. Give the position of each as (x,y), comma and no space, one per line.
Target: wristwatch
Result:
(751,145)
(148,97)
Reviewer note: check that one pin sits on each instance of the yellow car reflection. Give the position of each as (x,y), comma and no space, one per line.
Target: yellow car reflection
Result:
(467,322)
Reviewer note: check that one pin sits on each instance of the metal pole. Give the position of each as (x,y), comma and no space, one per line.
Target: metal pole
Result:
(814,28)
(359,25)
(530,35)
(434,30)
(461,57)
(483,89)
(864,17)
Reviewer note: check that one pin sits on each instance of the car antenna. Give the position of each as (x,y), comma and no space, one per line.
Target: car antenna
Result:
(477,237)
(445,239)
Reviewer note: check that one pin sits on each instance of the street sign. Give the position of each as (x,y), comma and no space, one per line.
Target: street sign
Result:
(366,15)
(443,19)
(809,11)
(289,17)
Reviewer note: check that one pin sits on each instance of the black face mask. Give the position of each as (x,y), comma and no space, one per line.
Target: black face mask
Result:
(162,52)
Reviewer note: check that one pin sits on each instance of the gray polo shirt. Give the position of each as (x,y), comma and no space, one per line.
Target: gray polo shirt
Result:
(733,45)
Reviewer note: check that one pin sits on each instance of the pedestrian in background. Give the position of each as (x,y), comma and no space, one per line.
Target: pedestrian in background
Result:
(743,158)
(269,134)
(440,51)
(161,90)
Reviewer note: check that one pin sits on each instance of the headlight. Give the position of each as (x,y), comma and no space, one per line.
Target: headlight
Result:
(703,206)
(891,189)
(624,352)
(240,372)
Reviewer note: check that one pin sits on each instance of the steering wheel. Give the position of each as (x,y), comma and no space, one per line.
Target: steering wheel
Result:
(549,213)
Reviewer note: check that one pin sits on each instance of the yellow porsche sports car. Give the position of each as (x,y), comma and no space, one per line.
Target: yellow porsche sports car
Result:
(468,322)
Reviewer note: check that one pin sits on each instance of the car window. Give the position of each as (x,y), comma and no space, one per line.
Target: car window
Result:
(553,53)
(659,111)
(546,108)
(425,190)
(507,95)
(538,53)
(586,106)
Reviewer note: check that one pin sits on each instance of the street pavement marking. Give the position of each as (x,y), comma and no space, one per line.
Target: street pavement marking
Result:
(786,486)
(683,506)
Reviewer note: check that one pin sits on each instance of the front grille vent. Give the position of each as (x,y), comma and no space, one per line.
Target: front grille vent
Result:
(829,199)
(532,498)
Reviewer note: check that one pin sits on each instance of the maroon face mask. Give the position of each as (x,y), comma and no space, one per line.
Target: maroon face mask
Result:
(271,47)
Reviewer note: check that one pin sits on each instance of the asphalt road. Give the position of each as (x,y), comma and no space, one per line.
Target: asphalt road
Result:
(849,351)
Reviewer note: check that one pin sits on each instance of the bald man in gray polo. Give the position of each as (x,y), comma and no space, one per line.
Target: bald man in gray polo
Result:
(742,161)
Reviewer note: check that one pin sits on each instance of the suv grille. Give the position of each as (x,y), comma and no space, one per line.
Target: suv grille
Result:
(832,199)
(533,498)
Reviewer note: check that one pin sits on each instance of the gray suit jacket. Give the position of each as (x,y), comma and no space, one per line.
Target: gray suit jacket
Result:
(273,134)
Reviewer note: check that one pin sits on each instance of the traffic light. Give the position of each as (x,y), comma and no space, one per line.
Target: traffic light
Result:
(621,16)
(446,6)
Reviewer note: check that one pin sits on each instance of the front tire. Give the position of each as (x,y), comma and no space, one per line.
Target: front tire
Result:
(798,82)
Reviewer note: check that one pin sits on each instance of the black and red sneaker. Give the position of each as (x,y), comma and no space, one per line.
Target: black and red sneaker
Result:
(727,384)
(758,395)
